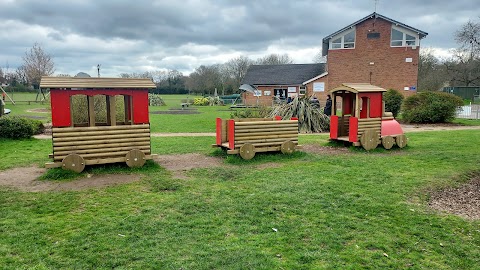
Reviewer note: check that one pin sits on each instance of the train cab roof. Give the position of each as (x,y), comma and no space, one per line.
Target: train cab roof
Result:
(357,88)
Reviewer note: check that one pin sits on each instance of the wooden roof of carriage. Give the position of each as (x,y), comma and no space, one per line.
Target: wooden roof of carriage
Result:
(358,88)
(96,83)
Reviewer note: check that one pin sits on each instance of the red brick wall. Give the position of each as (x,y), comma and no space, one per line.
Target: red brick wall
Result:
(389,69)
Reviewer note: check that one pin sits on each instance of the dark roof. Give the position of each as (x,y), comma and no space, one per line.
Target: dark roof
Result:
(282,74)
(421,33)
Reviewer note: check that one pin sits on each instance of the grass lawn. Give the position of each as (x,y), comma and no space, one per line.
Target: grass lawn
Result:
(305,211)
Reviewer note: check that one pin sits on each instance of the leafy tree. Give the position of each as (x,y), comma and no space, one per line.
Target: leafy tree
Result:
(37,63)
(393,101)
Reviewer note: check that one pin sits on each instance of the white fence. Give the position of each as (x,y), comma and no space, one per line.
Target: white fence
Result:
(471,111)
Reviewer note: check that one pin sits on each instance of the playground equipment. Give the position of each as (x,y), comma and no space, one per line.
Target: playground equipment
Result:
(252,135)
(363,120)
(122,135)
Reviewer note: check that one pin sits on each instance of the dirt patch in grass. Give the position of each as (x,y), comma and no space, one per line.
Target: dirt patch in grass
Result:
(463,201)
(324,150)
(180,164)
(25,179)
(39,110)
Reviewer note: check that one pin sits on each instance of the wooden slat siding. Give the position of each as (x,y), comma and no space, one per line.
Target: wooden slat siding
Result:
(100,142)
(262,149)
(256,126)
(266,133)
(103,149)
(370,123)
(80,129)
(113,153)
(73,82)
(50,165)
(267,123)
(93,142)
(231,134)
(94,146)
(238,120)
(96,133)
(100,137)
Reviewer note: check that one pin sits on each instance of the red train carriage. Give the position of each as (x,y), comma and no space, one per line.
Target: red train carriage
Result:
(98,121)
(363,120)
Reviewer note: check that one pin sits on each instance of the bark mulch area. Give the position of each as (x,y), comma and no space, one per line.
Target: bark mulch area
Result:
(463,201)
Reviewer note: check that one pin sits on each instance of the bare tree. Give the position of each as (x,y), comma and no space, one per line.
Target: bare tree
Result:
(237,68)
(469,37)
(320,58)
(275,59)
(464,67)
(431,72)
(37,63)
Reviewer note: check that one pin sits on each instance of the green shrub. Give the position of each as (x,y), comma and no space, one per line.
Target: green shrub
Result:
(430,107)
(260,112)
(15,127)
(310,117)
(393,101)
(155,100)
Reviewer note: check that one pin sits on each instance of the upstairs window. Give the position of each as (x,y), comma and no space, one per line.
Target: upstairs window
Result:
(345,41)
(403,38)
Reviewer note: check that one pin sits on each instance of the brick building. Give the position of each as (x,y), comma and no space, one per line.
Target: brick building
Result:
(375,50)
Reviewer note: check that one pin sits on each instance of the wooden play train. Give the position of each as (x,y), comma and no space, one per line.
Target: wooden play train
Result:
(120,137)
(363,120)
(253,135)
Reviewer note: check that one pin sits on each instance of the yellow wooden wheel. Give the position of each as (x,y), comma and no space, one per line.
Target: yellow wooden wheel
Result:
(247,151)
(401,140)
(73,162)
(135,158)
(287,147)
(388,142)
(369,139)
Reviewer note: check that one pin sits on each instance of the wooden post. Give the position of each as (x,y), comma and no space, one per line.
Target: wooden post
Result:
(72,124)
(111,111)
(13,102)
(231,134)
(357,106)
(91,111)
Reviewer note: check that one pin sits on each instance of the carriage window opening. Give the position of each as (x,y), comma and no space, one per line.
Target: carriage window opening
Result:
(78,108)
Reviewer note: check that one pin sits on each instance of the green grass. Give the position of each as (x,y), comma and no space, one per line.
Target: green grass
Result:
(467,122)
(328,211)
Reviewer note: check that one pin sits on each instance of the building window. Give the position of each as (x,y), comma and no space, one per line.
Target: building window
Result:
(403,38)
(345,41)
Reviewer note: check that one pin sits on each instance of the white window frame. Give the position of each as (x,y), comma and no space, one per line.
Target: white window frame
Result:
(342,39)
(405,32)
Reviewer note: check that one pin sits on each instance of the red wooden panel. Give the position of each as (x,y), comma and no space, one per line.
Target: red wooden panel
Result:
(353,129)
(347,103)
(140,106)
(218,130)
(231,134)
(375,104)
(278,117)
(294,118)
(391,127)
(60,104)
(333,127)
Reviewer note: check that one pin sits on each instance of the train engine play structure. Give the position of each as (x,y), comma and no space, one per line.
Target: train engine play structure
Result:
(248,136)
(363,120)
(98,121)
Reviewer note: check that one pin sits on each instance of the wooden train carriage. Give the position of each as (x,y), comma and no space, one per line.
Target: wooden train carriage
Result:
(363,120)
(251,135)
(98,121)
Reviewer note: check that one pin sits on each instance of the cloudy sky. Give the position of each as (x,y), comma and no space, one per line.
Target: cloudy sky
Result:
(136,36)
